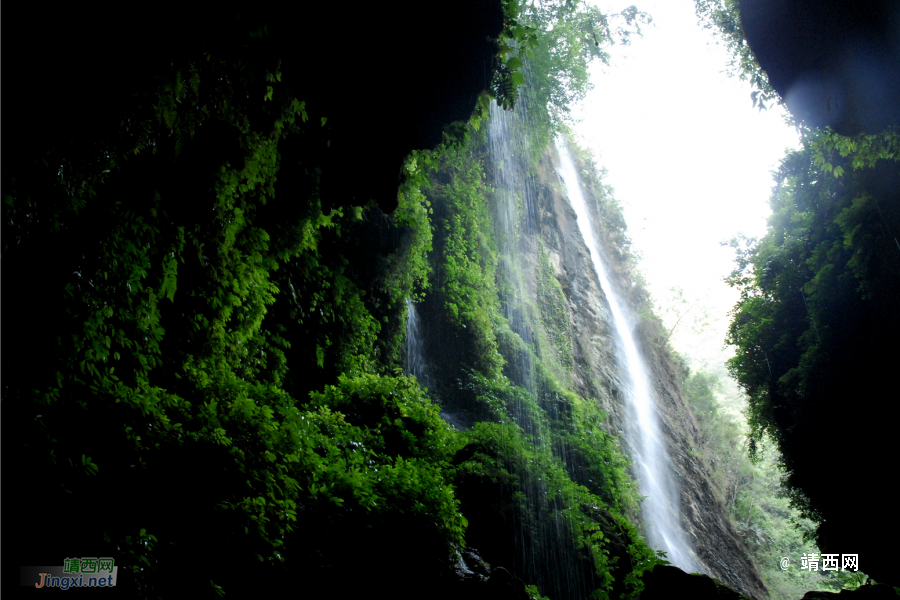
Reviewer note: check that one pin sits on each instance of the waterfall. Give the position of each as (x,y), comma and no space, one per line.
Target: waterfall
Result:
(545,553)
(415,360)
(415,364)
(661,512)
(513,194)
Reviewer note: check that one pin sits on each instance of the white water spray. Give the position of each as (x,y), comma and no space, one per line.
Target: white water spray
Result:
(661,508)
(415,361)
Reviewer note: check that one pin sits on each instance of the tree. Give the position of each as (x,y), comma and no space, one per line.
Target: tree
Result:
(815,333)
(724,18)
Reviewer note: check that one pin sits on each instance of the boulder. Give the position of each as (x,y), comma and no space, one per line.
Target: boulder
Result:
(666,582)
(865,592)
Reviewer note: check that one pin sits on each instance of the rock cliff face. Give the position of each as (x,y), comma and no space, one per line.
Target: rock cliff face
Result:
(596,372)
(540,352)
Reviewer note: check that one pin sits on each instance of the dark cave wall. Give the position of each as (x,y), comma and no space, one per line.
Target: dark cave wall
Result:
(835,63)
(388,78)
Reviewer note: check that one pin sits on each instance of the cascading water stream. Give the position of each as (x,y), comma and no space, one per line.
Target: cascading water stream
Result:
(543,550)
(415,360)
(416,365)
(661,511)
(546,555)
(513,192)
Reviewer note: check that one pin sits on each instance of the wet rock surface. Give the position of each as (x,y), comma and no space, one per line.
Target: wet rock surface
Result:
(474,578)
(471,567)
(550,223)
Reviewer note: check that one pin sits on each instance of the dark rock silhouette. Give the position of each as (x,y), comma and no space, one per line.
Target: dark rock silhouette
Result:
(388,77)
(666,582)
(835,63)
(864,592)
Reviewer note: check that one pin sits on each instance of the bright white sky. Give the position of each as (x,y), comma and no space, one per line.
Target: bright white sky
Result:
(689,157)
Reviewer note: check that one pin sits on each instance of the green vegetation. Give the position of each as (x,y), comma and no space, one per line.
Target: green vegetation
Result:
(817,319)
(723,17)
(183,343)
(537,447)
(553,48)
(570,37)
(754,495)
(219,377)
(552,302)
(820,283)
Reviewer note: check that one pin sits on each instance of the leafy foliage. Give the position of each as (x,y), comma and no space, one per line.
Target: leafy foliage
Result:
(551,47)
(196,317)
(215,346)
(517,41)
(400,447)
(468,257)
(752,492)
(571,37)
(561,480)
(862,151)
(817,307)
(724,18)
(552,303)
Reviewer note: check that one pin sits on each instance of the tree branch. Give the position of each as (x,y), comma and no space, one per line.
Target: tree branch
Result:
(678,321)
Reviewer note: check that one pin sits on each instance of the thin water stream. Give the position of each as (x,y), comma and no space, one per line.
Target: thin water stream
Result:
(546,554)
(415,359)
(661,511)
